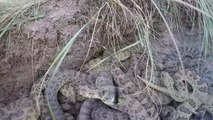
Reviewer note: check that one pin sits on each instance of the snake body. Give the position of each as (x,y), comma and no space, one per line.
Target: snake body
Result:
(111,85)
(104,90)
(93,109)
(86,88)
(191,101)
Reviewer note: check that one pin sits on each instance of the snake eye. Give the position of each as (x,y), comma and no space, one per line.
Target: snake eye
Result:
(102,93)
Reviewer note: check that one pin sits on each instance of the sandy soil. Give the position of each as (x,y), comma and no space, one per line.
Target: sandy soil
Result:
(27,50)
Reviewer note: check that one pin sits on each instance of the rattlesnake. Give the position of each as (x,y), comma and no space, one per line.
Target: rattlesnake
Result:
(88,89)
(205,70)
(129,91)
(138,106)
(93,109)
(194,60)
(140,98)
(190,101)
(190,56)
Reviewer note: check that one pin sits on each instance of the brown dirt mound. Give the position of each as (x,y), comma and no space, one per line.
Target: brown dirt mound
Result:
(27,50)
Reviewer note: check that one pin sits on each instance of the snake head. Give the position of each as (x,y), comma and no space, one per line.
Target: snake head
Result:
(110,95)
(123,55)
(93,64)
(167,80)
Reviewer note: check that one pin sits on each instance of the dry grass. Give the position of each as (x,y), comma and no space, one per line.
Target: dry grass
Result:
(15,12)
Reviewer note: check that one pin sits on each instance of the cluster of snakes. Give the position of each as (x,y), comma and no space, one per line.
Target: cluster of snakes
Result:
(120,89)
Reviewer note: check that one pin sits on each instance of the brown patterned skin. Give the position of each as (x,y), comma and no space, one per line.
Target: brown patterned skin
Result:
(86,109)
(68,90)
(190,56)
(93,109)
(86,85)
(105,113)
(131,101)
(126,99)
(194,60)
(143,108)
(208,106)
(191,101)
(205,70)
(138,67)
(102,87)
(167,112)
(52,90)
(40,105)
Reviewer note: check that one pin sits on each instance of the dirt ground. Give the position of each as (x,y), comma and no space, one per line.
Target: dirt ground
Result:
(26,51)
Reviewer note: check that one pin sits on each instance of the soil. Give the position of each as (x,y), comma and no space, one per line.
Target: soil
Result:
(26,51)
